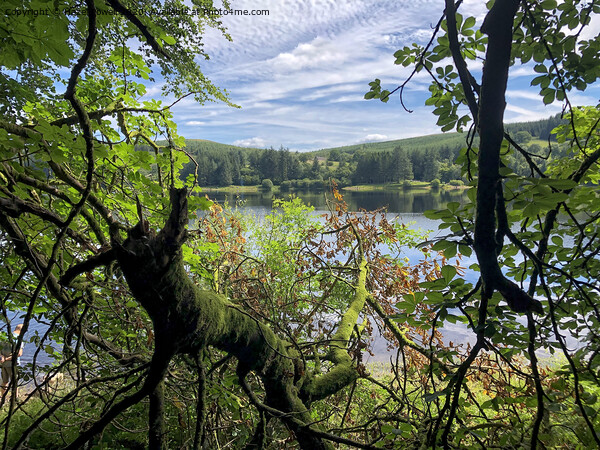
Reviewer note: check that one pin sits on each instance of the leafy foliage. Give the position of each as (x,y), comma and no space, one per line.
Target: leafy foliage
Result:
(279,313)
(77,199)
(532,220)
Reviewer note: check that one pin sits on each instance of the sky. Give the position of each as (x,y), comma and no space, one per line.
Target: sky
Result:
(299,75)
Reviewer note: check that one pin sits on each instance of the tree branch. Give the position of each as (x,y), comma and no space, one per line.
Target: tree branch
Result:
(498,25)
(101,259)
(461,66)
(129,15)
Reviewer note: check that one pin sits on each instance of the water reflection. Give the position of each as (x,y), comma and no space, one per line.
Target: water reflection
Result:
(409,205)
(397,201)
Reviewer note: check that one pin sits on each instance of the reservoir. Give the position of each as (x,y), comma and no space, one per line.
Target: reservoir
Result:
(406,206)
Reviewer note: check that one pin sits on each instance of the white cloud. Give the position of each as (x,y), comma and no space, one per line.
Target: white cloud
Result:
(373,138)
(524,95)
(192,123)
(301,72)
(260,105)
(153,90)
(528,105)
(523,71)
(518,114)
(333,90)
(319,52)
(348,98)
(251,142)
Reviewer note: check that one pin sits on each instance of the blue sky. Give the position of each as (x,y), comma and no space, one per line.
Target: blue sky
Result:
(300,73)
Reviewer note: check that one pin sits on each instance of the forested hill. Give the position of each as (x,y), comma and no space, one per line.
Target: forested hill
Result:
(425,158)
(539,130)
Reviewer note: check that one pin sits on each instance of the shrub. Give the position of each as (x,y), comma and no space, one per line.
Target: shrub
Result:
(250,180)
(316,185)
(435,183)
(267,185)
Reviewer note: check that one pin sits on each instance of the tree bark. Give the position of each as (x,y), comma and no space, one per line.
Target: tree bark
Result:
(498,25)
(186,319)
(156,423)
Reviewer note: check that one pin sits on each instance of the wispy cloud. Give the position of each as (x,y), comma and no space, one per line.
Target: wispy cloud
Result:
(519,114)
(251,142)
(301,72)
(333,90)
(348,98)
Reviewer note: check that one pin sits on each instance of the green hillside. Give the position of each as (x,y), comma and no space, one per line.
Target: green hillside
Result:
(434,141)
(423,159)
(539,130)
(212,146)
(409,144)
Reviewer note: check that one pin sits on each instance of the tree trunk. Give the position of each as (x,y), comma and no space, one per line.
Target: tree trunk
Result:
(186,319)
(156,418)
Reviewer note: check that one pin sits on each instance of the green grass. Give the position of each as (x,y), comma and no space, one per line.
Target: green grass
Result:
(233,189)
(416,143)
(415,186)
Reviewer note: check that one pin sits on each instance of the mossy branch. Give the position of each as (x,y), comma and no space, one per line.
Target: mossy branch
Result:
(344,372)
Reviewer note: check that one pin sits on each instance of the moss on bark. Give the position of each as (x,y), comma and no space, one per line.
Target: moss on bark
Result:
(186,319)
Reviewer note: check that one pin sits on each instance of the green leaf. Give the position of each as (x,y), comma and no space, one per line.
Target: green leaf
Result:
(169,39)
(539,80)
(387,429)
(469,23)
(562,184)
(453,206)
(490,330)
(549,96)
(448,272)
(435,395)
(406,307)
(589,398)
(465,250)
(531,210)
(450,251)
(434,297)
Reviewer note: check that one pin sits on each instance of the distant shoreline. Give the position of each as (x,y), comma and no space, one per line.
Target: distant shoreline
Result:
(415,186)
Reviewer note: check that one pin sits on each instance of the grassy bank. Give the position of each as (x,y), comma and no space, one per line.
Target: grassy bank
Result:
(414,186)
(233,189)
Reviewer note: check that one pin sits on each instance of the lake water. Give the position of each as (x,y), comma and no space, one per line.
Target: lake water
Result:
(406,205)
(397,201)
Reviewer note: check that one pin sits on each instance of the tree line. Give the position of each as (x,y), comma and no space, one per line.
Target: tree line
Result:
(286,168)
(220,165)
